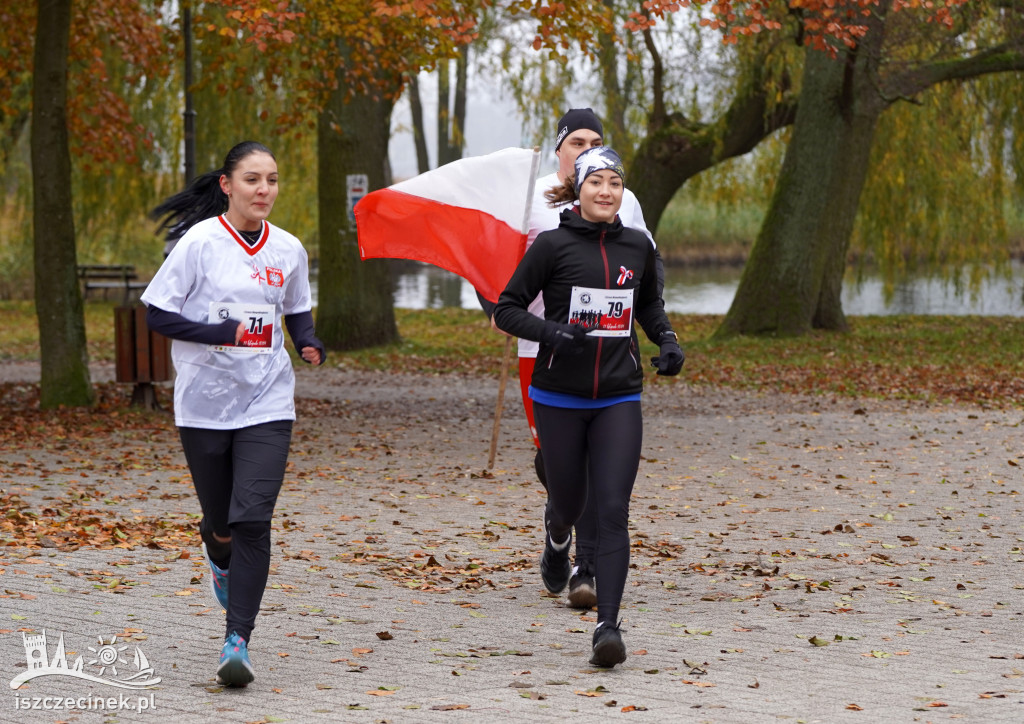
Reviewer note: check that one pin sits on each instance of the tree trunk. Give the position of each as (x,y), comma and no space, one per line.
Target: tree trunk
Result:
(443,115)
(418,135)
(63,353)
(793,279)
(457,141)
(615,101)
(355,307)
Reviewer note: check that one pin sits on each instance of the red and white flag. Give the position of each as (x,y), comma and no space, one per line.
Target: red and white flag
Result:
(469,216)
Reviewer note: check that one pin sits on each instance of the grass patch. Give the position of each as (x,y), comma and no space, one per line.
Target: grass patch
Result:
(693,233)
(19,331)
(931,358)
(445,340)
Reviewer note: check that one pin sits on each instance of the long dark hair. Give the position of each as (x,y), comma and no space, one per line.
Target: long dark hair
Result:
(202,198)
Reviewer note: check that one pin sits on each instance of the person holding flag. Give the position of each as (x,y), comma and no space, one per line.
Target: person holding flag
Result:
(221,296)
(468,217)
(597,277)
(578,130)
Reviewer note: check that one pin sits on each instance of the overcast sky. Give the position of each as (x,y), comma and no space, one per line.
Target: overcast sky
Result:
(491,125)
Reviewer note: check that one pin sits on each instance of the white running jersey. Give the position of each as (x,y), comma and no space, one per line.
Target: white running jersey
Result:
(212,273)
(545,218)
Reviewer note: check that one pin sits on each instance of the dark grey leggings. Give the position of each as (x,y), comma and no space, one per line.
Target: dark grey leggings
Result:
(593,454)
(237,476)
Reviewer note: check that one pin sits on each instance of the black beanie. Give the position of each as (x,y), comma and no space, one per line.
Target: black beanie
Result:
(575,119)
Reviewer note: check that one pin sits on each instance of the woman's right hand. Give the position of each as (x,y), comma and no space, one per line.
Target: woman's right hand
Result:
(239,333)
(564,338)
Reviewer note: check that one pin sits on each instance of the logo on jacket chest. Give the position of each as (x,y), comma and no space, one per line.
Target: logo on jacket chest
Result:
(269,275)
(624,275)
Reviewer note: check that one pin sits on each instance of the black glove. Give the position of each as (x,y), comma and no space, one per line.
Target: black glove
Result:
(670,359)
(564,338)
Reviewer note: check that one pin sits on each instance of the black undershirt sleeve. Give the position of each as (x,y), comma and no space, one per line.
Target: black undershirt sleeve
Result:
(300,327)
(175,326)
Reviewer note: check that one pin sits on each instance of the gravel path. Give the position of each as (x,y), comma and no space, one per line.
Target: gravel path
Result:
(794,559)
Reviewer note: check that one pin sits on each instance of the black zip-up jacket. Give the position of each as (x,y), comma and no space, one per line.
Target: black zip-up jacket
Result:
(585,254)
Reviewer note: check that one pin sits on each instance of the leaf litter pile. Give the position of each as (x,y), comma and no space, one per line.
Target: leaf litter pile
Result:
(92,447)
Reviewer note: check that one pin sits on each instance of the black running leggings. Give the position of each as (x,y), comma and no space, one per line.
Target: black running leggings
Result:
(237,476)
(593,454)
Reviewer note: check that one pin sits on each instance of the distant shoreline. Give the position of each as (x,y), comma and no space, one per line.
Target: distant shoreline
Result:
(735,254)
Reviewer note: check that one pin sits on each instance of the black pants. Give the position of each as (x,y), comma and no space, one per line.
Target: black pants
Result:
(237,476)
(593,455)
(586,524)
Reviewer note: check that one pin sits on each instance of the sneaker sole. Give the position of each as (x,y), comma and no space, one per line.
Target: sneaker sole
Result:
(608,653)
(235,673)
(582,597)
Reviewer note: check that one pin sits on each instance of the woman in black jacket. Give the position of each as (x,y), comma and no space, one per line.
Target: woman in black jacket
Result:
(597,277)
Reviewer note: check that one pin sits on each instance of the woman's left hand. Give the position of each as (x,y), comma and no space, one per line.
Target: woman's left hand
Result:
(311,355)
(670,360)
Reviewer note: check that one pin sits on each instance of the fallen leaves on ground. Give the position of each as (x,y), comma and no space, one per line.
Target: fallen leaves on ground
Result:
(88,517)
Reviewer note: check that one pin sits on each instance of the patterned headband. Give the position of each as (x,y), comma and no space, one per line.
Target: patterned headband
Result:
(597,159)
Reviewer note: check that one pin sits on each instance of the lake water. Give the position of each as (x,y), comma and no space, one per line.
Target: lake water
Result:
(710,291)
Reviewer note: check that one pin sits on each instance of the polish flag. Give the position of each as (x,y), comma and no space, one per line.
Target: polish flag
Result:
(469,216)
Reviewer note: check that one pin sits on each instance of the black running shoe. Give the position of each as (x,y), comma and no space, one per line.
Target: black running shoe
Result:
(582,587)
(555,567)
(607,649)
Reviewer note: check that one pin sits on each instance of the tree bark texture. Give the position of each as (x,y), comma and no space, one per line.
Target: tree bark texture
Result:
(457,140)
(793,279)
(418,135)
(63,354)
(355,308)
(615,100)
(443,114)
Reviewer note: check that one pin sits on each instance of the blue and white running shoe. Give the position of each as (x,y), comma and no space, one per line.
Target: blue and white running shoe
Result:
(218,581)
(235,668)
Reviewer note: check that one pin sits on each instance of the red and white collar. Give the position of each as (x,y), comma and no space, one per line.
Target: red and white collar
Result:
(250,250)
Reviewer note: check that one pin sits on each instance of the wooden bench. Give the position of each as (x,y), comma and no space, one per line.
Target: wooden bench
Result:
(105,277)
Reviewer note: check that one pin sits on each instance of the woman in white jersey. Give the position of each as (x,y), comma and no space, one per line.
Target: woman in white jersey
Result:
(221,295)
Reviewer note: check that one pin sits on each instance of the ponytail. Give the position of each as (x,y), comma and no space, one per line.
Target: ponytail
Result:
(203,198)
(560,195)
(200,200)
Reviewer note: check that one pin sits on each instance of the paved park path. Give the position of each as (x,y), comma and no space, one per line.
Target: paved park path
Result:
(794,560)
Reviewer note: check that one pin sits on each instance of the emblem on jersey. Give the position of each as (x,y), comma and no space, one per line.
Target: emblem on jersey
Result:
(256,273)
(275,277)
(624,275)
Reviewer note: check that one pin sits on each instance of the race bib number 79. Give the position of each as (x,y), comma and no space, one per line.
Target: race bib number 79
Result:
(602,312)
(258,337)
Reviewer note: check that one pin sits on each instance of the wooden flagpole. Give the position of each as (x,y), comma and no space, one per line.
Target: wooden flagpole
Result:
(501,401)
(524,228)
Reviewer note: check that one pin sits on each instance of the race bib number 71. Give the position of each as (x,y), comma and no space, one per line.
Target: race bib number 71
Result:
(258,337)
